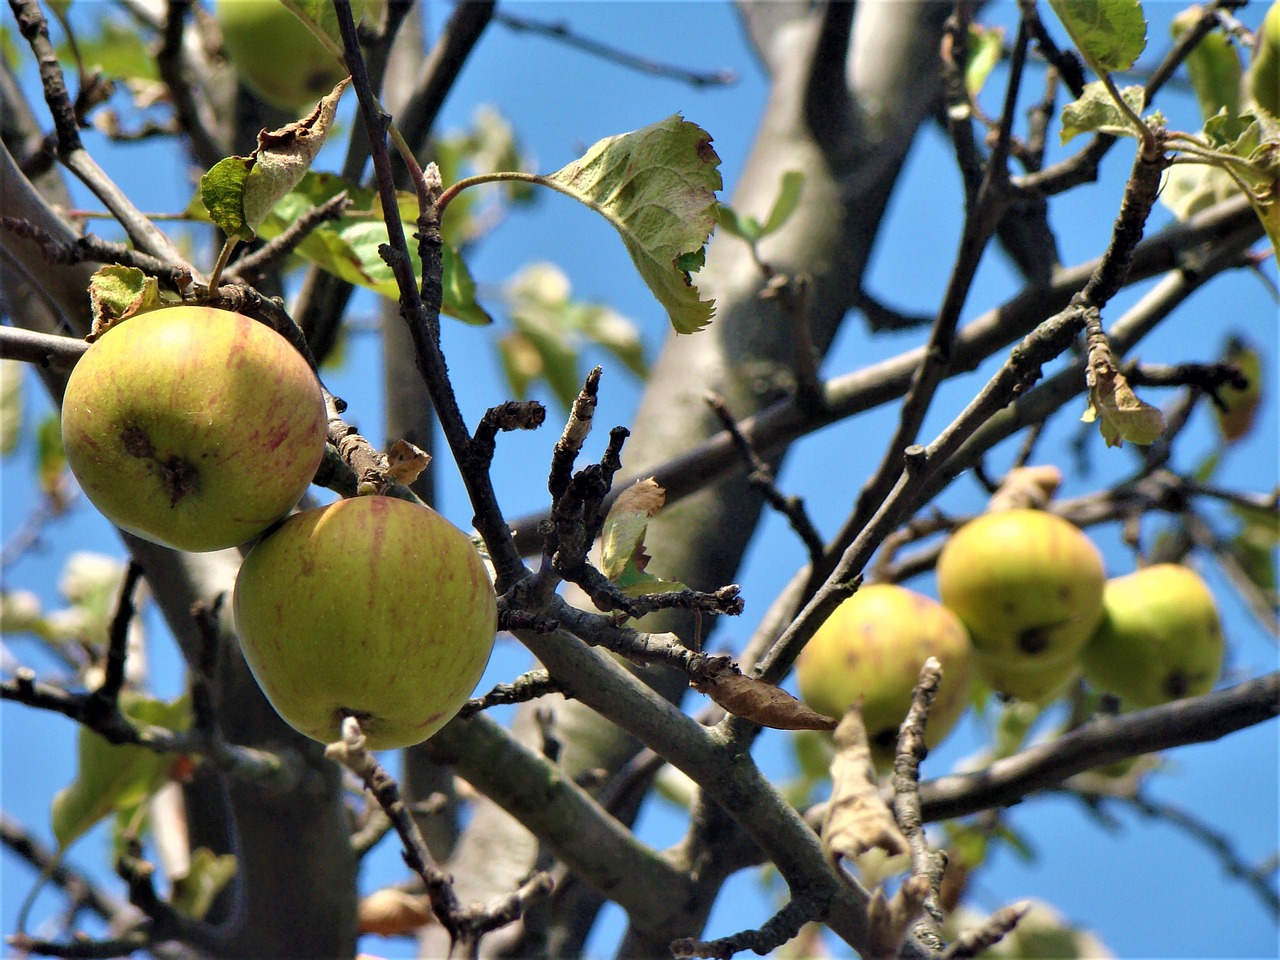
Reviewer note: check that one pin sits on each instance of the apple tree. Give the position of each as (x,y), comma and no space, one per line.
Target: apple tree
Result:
(984,316)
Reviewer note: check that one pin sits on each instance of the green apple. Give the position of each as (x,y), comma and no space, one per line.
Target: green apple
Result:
(1039,684)
(1242,403)
(1264,71)
(873,646)
(193,427)
(1159,640)
(1026,583)
(374,608)
(276,54)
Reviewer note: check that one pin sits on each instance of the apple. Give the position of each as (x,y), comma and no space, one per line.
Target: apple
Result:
(1160,638)
(1242,403)
(1264,71)
(1039,684)
(375,608)
(873,646)
(1027,584)
(193,427)
(276,54)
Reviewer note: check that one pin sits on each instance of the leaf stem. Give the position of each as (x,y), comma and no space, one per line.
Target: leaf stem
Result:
(1150,148)
(223,256)
(500,176)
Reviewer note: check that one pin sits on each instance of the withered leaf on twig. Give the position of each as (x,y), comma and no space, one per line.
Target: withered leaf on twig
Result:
(392,913)
(405,461)
(760,702)
(857,819)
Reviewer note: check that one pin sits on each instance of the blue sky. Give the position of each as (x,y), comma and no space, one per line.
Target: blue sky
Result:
(1146,890)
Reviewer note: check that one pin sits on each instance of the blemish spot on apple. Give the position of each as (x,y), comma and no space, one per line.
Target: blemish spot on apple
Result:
(137,443)
(1033,640)
(181,477)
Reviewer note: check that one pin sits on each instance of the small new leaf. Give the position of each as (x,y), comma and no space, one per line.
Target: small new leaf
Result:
(1096,112)
(1110,34)
(986,47)
(10,405)
(194,894)
(657,187)
(785,203)
(117,293)
(624,527)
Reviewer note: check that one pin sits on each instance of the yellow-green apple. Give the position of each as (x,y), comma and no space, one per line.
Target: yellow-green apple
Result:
(374,608)
(1241,403)
(1028,586)
(193,427)
(873,646)
(1160,638)
(1037,684)
(1264,71)
(276,54)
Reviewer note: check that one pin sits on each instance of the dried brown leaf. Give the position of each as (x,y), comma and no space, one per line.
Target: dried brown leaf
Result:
(405,461)
(857,819)
(761,702)
(390,913)
(1026,488)
(889,919)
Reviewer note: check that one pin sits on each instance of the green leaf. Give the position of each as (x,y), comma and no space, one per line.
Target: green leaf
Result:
(12,52)
(322,20)
(657,187)
(1254,546)
(117,293)
(209,873)
(1096,112)
(10,405)
(239,192)
(1213,65)
(549,326)
(1190,188)
(113,777)
(1110,34)
(748,228)
(986,47)
(51,460)
(785,203)
(557,356)
(622,555)
(222,193)
(1264,71)
(348,247)
(20,612)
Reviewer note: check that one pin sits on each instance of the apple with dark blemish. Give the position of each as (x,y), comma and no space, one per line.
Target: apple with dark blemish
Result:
(1160,638)
(193,427)
(872,647)
(374,608)
(1028,585)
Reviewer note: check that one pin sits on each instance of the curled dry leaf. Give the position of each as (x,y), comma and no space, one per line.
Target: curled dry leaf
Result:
(857,819)
(390,913)
(405,461)
(759,701)
(1026,488)
(889,919)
